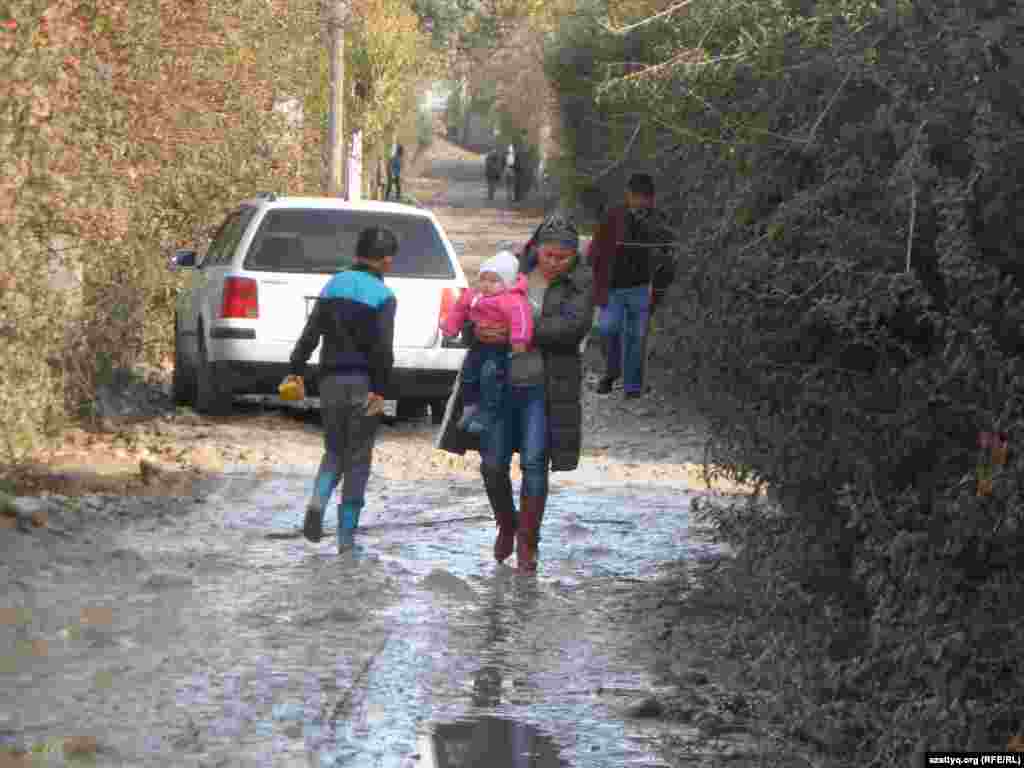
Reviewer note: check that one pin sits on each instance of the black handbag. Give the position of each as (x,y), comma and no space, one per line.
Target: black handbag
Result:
(526,368)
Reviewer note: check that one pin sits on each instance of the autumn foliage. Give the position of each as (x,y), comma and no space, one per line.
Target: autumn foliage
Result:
(127,129)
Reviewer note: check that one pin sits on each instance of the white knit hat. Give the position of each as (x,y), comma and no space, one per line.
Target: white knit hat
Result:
(505,265)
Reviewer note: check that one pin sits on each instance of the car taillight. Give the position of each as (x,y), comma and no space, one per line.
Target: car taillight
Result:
(448,298)
(240,299)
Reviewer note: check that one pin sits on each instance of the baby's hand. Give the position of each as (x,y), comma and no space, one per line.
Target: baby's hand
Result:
(518,349)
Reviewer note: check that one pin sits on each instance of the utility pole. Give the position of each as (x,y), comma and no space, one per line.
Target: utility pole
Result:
(337,15)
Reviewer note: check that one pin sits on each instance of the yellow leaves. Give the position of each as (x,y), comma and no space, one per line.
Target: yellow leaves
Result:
(40,107)
(389,55)
(623,12)
(136,122)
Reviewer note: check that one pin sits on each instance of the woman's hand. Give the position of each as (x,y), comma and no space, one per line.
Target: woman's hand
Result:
(492,334)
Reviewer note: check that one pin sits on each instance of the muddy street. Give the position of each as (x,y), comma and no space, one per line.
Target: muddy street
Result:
(160,607)
(211,633)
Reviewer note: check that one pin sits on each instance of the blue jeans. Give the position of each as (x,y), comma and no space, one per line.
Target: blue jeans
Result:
(524,425)
(623,324)
(483,377)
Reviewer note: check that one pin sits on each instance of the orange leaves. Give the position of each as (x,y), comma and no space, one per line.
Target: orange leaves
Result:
(130,116)
(58,26)
(40,107)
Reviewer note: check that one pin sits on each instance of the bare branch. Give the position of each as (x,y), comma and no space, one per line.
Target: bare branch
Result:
(679,58)
(821,117)
(625,154)
(649,20)
(913,223)
(913,201)
(817,284)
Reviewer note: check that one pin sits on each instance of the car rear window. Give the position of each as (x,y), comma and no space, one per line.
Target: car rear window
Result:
(317,241)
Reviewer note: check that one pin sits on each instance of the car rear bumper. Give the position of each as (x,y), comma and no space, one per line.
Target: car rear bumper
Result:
(426,374)
(263,379)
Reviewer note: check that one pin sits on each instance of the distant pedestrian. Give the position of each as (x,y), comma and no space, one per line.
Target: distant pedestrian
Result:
(395,174)
(510,173)
(632,263)
(494,166)
(518,177)
(354,316)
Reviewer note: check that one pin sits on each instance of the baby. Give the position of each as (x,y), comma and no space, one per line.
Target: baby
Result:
(500,300)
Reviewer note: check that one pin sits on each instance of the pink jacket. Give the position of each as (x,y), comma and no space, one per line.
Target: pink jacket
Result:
(510,307)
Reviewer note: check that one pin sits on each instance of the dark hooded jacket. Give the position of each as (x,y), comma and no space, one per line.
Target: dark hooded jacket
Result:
(565,320)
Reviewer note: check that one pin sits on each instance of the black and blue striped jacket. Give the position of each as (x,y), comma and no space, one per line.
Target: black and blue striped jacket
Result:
(355,315)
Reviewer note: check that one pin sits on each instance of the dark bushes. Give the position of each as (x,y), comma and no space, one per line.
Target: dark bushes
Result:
(849,311)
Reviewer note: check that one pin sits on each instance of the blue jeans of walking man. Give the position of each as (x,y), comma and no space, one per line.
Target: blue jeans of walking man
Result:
(349,436)
(623,324)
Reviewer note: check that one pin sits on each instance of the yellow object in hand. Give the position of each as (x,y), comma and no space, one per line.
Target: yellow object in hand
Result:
(292,388)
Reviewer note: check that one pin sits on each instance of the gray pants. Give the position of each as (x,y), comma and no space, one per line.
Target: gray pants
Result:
(349,435)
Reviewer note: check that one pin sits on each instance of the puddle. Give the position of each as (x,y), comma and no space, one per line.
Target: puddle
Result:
(494,742)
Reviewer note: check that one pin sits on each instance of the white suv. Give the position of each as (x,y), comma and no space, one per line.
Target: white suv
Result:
(247,299)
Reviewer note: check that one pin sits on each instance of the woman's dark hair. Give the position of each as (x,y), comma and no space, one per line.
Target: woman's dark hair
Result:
(376,243)
(641,184)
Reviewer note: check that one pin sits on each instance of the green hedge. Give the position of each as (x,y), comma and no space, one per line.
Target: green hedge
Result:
(848,315)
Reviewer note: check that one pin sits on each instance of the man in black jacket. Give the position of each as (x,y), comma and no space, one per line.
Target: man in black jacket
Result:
(355,317)
(631,256)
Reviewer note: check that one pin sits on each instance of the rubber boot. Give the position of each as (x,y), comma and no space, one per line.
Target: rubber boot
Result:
(324,483)
(348,522)
(531,514)
(313,525)
(499,494)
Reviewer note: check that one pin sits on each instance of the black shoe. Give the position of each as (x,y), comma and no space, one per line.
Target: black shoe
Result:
(604,386)
(633,395)
(313,525)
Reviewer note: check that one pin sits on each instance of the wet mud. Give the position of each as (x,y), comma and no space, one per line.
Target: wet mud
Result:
(205,632)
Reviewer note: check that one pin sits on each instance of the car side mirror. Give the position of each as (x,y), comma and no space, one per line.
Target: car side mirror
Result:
(183,258)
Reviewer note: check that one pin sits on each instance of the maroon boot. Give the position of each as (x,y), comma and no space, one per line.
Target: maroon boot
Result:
(531,513)
(505,543)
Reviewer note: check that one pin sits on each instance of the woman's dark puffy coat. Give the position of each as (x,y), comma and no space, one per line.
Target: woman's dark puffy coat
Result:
(566,318)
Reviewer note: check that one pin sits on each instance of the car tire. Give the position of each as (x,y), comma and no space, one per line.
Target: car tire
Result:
(210,399)
(183,379)
(407,409)
(437,408)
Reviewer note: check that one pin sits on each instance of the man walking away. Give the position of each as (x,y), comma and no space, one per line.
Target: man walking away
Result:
(631,259)
(395,174)
(355,317)
(518,177)
(510,173)
(493,168)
